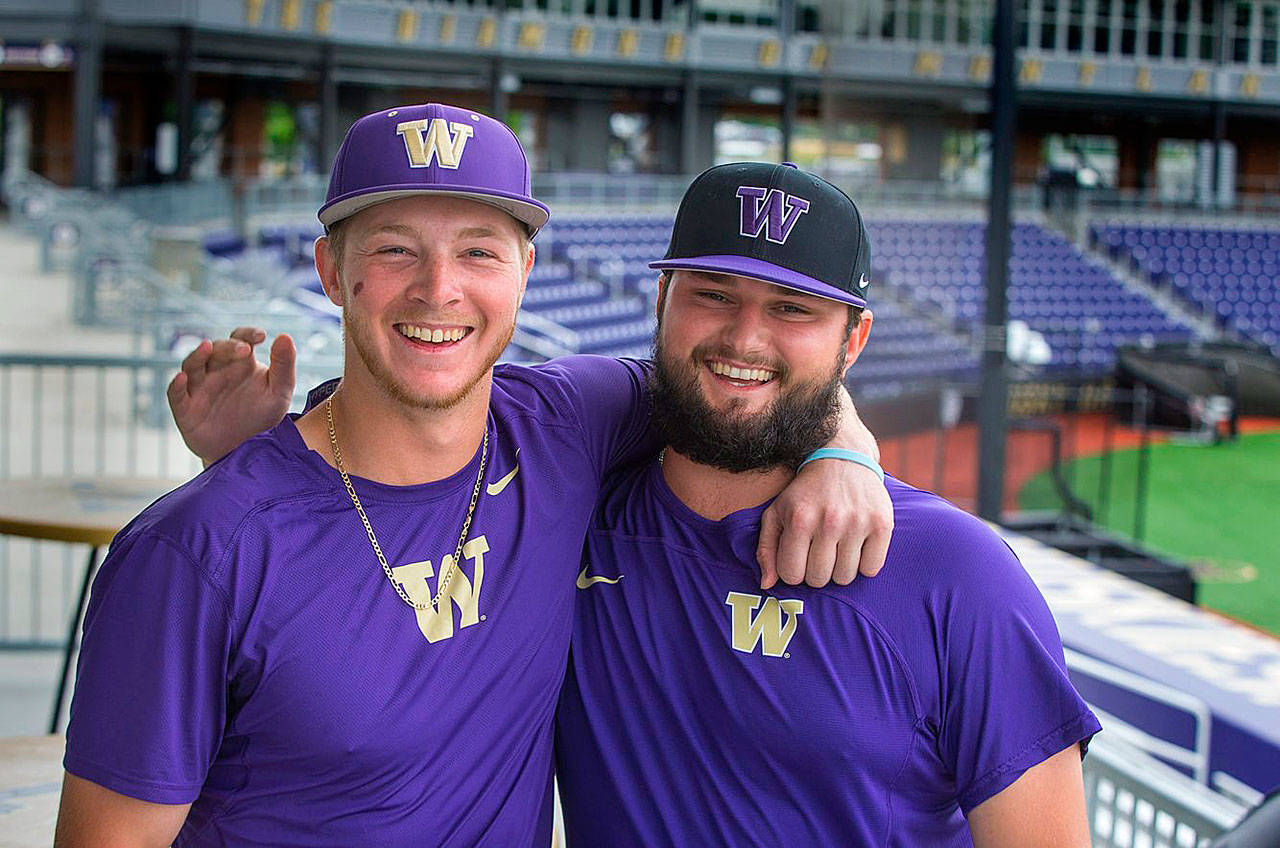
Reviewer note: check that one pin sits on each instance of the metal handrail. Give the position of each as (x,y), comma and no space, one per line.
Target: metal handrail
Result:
(567,339)
(1197,759)
(1131,794)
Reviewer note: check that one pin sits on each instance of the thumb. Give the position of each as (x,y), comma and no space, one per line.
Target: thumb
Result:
(767,548)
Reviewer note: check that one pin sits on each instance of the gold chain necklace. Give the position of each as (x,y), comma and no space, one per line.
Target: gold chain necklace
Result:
(368,528)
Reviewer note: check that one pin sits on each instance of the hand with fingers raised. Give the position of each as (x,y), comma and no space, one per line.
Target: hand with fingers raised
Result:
(223,395)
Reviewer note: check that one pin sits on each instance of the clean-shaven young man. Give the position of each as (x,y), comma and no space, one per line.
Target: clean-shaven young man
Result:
(353,629)
(928,707)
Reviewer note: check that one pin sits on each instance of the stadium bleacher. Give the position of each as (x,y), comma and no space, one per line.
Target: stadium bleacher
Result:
(1083,312)
(1227,273)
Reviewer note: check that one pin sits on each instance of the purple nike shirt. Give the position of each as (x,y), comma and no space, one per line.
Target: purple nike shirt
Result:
(245,653)
(699,710)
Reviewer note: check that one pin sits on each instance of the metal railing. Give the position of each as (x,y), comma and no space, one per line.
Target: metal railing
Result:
(1195,758)
(89,417)
(74,417)
(1135,800)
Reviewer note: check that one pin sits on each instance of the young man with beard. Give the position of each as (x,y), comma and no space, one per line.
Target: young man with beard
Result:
(352,630)
(928,707)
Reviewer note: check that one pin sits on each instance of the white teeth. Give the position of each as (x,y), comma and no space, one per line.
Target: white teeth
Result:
(756,375)
(433,336)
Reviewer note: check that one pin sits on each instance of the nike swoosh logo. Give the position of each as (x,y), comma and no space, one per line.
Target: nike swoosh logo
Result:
(863,282)
(585,582)
(496,487)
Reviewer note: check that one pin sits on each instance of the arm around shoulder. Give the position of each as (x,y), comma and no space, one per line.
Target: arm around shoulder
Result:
(834,521)
(1044,808)
(92,815)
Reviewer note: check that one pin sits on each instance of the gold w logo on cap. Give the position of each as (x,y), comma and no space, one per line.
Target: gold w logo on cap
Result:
(438,138)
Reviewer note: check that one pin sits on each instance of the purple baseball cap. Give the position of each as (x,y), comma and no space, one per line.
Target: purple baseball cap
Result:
(431,149)
(774,223)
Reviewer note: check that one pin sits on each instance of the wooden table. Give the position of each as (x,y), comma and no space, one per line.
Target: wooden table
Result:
(86,511)
(30,785)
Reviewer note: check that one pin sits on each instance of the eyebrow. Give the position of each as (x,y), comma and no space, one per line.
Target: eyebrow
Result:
(729,282)
(410,232)
(399,229)
(712,277)
(477,232)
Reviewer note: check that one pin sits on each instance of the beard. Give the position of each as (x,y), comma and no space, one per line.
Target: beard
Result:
(396,388)
(800,420)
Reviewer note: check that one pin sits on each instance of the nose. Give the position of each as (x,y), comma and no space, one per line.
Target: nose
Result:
(747,331)
(435,283)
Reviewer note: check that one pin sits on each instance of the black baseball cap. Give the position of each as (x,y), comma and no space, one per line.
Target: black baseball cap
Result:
(774,223)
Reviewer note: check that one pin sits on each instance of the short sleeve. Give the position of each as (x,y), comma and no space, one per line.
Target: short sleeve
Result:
(1007,702)
(609,399)
(150,699)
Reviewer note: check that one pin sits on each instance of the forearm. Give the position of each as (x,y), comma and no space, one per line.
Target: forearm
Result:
(852,434)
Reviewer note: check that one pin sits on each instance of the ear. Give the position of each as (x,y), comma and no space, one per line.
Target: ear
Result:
(528,268)
(663,281)
(327,270)
(857,340)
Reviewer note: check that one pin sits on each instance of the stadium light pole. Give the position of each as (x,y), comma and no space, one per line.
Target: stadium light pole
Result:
(992,405)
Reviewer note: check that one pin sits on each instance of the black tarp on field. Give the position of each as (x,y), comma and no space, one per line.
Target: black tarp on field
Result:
(1183,377)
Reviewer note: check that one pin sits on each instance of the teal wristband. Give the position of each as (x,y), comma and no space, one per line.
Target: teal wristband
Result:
(848,456)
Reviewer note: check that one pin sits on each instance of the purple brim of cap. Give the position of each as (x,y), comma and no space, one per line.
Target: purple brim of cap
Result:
(527,211)
(758,269)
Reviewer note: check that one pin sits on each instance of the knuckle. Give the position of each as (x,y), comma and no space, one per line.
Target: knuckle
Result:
(831,521)
(802,516)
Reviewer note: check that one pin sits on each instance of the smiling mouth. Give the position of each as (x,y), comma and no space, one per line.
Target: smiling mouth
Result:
(433,337)
(741,376)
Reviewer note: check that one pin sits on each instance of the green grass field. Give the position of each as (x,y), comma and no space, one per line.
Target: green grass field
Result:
(1217,507)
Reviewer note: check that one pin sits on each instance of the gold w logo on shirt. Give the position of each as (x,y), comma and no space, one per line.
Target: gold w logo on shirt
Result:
(774,624)
(424,139)
(437,624)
